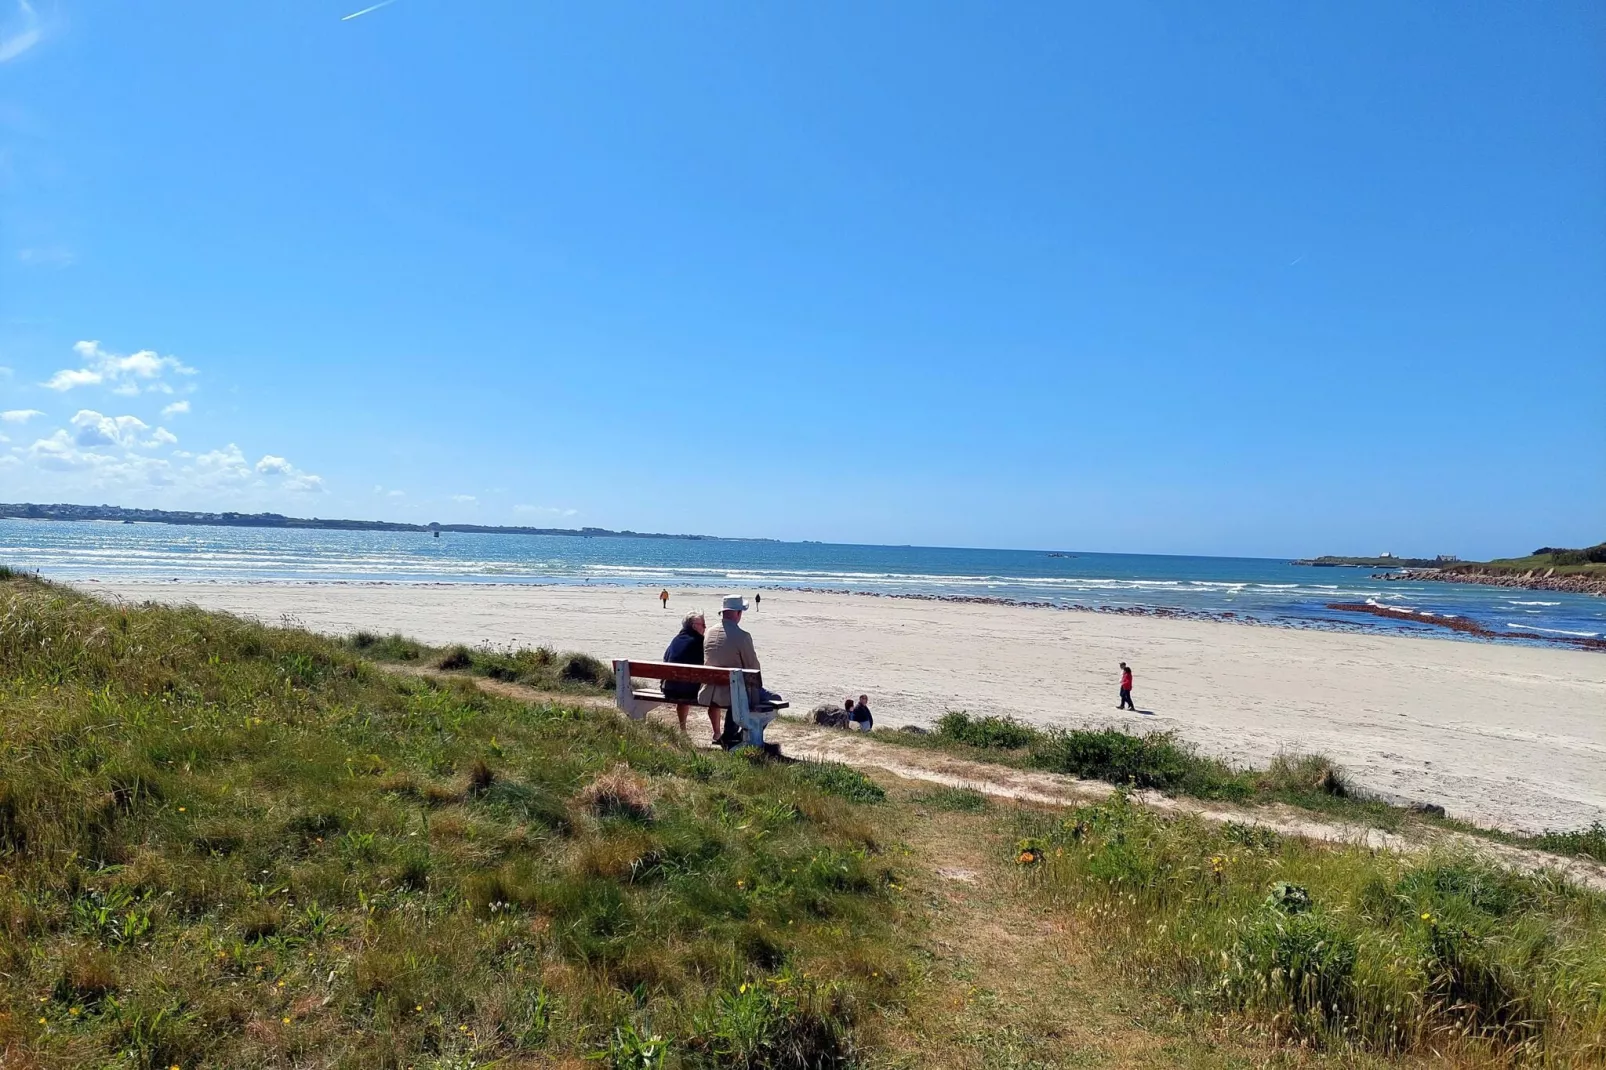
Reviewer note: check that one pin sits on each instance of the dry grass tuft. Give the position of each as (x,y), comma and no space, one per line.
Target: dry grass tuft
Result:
(619,792)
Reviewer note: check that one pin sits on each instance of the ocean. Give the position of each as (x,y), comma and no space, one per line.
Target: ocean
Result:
(1266,590)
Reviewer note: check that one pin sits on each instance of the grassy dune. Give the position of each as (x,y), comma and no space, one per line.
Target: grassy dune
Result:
(231,845)
(1334,946)
(228,845)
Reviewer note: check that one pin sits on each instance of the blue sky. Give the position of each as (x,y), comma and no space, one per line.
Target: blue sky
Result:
(1246,278)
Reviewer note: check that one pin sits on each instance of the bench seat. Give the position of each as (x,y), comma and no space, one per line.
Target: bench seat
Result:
(658,697)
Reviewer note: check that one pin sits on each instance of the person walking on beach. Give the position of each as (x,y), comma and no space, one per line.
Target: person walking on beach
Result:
(1126,688)
(726,646)
(663,596)
(757,598)
(686,648)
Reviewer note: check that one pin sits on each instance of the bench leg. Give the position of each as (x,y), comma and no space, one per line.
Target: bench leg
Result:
(739,711)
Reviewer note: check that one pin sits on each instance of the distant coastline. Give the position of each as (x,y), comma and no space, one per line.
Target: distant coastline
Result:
(117,513)
(1549,568)
(1330,561)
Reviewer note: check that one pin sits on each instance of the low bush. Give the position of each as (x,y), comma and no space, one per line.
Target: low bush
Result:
(986,733)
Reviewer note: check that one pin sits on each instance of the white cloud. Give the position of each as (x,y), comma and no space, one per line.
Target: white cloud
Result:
(67,378)
(17,39)
(294,478)
(395,494)
(133,374)
(19,416)
(161,437)
(97,430)
(174,409)
(546,510)
(464,498)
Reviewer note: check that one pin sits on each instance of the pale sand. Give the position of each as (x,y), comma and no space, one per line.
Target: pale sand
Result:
(1501,735)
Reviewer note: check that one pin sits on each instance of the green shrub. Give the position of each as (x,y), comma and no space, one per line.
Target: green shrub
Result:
(987,733)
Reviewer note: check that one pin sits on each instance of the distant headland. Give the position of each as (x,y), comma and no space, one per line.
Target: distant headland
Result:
(1380,561)
(1549,568)
(117,513)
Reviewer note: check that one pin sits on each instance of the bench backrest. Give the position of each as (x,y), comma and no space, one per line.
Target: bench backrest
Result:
(667,670)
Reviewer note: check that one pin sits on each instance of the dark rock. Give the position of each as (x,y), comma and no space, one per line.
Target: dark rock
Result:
(828,716)
(1426,809)
(914,730)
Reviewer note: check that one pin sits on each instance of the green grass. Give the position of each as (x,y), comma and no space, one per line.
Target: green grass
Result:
(539,667)
(1333,946)
(236,846)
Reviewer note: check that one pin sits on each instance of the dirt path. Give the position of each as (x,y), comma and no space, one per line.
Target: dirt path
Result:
(1054,789)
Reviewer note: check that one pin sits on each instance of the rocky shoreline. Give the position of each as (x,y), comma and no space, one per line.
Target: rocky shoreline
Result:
(1533,580)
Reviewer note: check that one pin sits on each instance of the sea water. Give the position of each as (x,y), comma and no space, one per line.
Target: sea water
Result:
(1269,591)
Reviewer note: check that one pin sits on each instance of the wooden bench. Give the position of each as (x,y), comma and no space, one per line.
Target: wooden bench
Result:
(753,717)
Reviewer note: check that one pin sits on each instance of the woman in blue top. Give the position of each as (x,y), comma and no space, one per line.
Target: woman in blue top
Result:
(686,648)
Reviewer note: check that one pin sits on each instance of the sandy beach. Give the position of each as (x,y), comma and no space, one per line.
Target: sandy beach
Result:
(1501,735)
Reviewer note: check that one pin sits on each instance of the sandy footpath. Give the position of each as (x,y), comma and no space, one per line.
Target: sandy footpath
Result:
(1503,735)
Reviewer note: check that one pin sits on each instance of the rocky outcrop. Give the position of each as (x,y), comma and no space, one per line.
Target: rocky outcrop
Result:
(1464,624)
(1532,580)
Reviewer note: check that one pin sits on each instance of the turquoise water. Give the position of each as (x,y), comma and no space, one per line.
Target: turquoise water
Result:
(1272,591)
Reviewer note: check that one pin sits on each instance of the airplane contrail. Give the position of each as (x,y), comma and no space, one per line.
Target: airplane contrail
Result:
(366,10)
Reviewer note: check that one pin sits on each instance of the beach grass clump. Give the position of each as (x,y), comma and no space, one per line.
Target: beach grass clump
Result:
(987,732)
(234,845)
(392,647)
(1587,842)
(539,667)
(840,780)
(1335,945)
(1157,760)
(956,800)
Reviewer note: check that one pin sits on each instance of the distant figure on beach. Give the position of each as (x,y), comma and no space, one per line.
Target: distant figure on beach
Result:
(757,598)
(663,596)
(859,715)
(727,646)
(1126,688)
(686,648)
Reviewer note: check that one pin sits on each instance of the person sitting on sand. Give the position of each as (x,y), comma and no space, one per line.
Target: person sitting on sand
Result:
(859,716)
(727,646)
(1126,688)
(685,648)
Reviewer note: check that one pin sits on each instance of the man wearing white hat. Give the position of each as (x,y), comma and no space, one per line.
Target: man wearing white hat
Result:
(727,646)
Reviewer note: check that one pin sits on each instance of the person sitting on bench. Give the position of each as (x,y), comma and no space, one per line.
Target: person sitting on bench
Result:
(727,645)
(686,648)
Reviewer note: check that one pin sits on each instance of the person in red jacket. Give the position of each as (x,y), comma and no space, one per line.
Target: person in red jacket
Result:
(1126,688)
